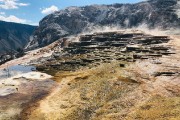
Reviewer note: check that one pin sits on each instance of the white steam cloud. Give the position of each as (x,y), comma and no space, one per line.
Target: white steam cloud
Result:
(178,9)
(49,10)
(143,28)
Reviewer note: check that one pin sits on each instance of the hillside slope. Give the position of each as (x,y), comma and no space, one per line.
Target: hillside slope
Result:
(14,36)
(73,20)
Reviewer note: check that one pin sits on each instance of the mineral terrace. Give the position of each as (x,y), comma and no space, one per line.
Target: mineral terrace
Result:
(119,75)
(111,76)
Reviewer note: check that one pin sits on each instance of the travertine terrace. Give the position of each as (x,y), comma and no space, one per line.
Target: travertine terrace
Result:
(111,76)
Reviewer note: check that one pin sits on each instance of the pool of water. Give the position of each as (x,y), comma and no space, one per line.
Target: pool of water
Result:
(11,71)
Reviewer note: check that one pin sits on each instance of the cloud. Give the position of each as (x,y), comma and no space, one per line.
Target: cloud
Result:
(23,4)
(49,10)
(12,18)
(11,4)
(2,13)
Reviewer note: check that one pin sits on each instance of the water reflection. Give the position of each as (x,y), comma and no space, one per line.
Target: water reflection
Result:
(11,71)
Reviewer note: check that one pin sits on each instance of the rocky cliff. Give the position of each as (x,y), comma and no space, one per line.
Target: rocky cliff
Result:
(74,20)
(14,36)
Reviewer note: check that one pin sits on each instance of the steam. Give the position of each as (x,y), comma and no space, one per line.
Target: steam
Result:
(141,28)
(144,28)
(178,13)
(96,28)
(155,31)
(178,9)
(126,22)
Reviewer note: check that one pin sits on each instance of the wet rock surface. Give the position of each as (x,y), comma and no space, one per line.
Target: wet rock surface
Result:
(94,49)
(20,86)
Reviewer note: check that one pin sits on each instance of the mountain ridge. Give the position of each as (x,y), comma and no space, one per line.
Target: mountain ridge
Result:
(14,36)
(74,20)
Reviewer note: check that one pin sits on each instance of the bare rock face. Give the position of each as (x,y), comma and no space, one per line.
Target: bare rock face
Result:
(73,20)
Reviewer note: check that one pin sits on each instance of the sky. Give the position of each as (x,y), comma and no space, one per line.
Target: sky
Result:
(32,11)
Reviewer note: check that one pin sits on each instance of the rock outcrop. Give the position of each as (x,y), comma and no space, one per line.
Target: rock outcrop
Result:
(74,20)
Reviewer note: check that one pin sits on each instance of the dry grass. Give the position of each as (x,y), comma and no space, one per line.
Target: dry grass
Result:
(101,93)
(158,108)
(86,94)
